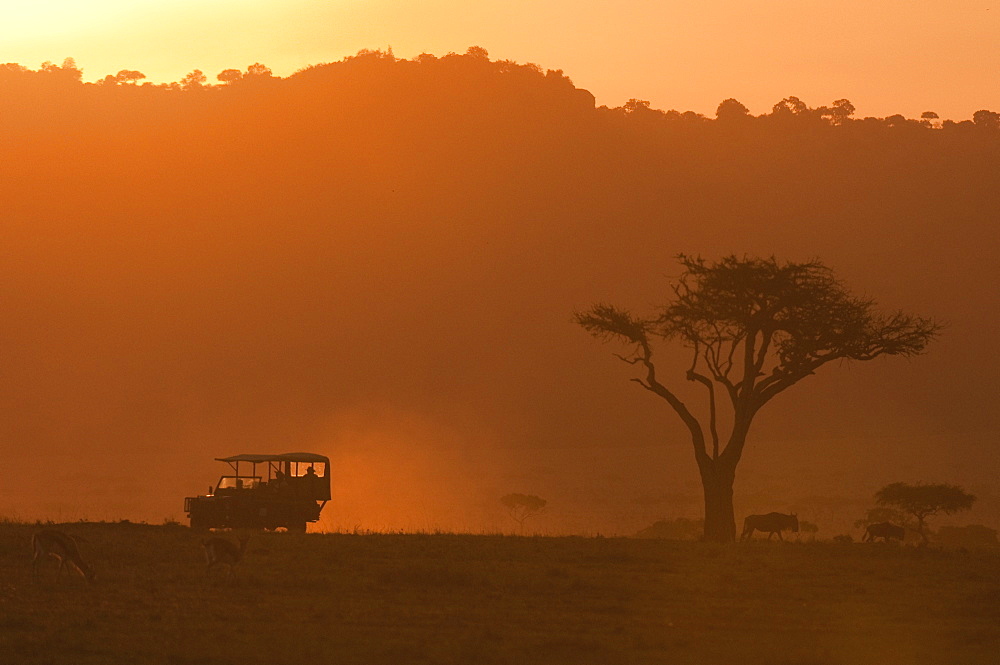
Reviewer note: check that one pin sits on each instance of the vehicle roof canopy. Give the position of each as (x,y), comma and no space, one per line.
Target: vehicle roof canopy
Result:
(306,458)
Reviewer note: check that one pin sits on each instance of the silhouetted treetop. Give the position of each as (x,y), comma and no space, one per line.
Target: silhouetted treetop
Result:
(196,79)
(730,109)
(258,69)
(805,312)
(124,76)
(790,106)
(986,119)
(229,75)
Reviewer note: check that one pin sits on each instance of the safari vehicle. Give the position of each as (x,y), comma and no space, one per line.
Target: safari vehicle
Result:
(264,492)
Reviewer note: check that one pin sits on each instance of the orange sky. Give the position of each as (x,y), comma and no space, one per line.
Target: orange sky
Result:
(888,56)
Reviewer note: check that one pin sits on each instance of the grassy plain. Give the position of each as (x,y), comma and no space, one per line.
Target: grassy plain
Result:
(471,599)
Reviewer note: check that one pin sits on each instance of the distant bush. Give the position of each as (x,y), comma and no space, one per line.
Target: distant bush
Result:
(680,528)
(843,538)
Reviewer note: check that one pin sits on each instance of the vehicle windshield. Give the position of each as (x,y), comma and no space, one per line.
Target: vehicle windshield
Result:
(241,482)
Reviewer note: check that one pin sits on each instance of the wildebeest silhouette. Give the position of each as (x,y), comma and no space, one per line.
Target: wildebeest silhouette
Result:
(773,523)
(885,531)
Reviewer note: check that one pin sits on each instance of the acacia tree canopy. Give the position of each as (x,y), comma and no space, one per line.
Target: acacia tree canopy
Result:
(923,501)
(522,506)
(788,320)
(754,327)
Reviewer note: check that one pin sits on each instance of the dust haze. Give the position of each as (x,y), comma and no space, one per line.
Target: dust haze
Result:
(377,260)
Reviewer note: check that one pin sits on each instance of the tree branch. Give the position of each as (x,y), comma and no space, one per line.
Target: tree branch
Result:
(630,361)
(781,381)
(704,380)
(749,375)
(654,386)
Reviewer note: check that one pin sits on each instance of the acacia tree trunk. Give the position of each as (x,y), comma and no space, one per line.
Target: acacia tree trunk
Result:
(922,530)
(717,478)
(718,472)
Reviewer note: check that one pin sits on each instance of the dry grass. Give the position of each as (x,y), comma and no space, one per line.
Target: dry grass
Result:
(371,599)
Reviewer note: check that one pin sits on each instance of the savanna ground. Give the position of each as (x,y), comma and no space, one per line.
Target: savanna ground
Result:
(441,598)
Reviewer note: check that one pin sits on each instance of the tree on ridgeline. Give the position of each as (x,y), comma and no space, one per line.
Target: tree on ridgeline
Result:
(930,119)
(790,106)
(130,76)
(195,80)
(923,501)
(476,53)
(986,119)
(68,70)
(839,113)
(520,507)
(229,75)
(896,120)
(753,328)
(259,70)
(731,110)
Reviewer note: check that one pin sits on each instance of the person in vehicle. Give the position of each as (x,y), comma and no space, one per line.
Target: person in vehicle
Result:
(280,482)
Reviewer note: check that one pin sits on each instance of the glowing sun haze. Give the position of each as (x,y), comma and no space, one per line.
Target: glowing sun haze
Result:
(887,57)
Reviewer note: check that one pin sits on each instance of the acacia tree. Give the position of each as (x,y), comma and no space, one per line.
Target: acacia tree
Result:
(522,506)
(754,327)
(923,501)
(229,75)
(129,76)
(194,81)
